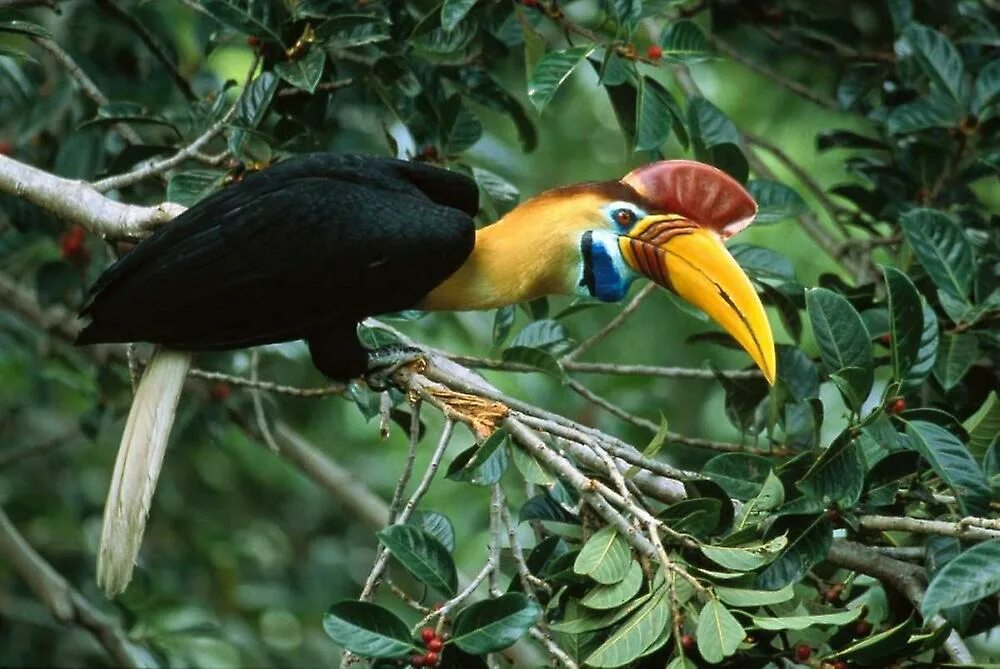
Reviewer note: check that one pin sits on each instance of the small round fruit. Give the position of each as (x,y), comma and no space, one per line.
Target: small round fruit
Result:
(6,148)
(253,41)
(688,642)
(863,628)
(221,391)
(430,659)
(655,52)
(428,634)
(417,661)
(803,652)
(529,3)
(840,664)
(435,645)
(899,406)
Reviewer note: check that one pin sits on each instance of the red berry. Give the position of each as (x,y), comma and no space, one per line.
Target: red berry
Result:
(417,661)
(840,664)
(72,247)
(655,52)
(430,659)
(885,339)
(899,406)
(220,391)
(833,515)
(6,148)
(428,634)
(688,642)
(253,41)
(803,652)
(863,628)
(430,152)
(435,645)
(530,3)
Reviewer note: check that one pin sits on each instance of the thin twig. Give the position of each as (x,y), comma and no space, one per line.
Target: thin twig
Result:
(963,529)
(613,324)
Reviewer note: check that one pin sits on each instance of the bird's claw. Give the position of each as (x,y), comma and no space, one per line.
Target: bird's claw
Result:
(385,361)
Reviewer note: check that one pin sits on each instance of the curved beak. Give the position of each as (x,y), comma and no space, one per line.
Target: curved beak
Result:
(692,261)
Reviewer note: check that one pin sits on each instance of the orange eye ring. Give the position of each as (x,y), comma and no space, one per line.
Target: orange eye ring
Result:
(623,217)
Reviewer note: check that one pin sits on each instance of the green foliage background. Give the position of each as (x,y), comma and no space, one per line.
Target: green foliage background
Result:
(243,554)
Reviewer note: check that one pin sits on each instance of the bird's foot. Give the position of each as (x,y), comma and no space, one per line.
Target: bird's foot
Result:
(385,361)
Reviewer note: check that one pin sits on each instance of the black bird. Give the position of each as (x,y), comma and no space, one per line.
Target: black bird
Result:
(308,248)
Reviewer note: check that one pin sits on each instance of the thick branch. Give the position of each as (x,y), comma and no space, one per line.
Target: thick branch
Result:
(964,529)
(66,604)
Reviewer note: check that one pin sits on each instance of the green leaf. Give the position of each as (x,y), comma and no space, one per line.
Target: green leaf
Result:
(552,70)
(435,524)
(729,158)
(770,497)
(842,337)
(808,545)
(304,73)
(775,201)
(547,334)
(481,464)
(719,633)
(368,629)
(353,30)
(616,594)
(802,622)
(504,195)
(927,351)
(654,445)
(970,577)
(187,188)
(453,11)
(25,28)
(740,474)
(749,598)
(544,507)
(906,321)
(423,556)
(256,100)
(530,468)
(745,558)
(933,111)
(762,263)
(684,42)
(956,354)
(259,18)
(127,112)
(942,249)
(984,425)
(10,52)
(652,116)
(709,127)
(937,57)
(698,517)
(494,624)
(592,620)
(838,475)
(503,322)
(446,46)
(951,460)
(605,557)
(631,640)
(533,357)
(986,90)
(878,646)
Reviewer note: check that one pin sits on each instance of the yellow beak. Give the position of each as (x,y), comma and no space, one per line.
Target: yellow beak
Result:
(694,263)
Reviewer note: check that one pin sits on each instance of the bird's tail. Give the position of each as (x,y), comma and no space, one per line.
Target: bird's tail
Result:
(137,467)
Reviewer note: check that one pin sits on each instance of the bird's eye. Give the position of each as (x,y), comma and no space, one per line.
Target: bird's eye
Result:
(624,217)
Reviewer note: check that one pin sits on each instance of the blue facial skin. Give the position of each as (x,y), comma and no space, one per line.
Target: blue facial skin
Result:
(606,275)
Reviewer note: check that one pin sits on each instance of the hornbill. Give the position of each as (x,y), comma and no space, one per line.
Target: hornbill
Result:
(310,247)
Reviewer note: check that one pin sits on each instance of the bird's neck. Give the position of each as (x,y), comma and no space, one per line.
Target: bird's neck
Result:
(522,256)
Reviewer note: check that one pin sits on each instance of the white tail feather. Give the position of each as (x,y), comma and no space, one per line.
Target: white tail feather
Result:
(137,467)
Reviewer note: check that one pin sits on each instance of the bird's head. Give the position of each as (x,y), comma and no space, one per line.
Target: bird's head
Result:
(665,221)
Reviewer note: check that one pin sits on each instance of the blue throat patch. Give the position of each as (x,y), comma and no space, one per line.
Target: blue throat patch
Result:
(603,278)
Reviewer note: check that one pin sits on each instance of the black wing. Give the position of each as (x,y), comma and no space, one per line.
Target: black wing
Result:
(317,242)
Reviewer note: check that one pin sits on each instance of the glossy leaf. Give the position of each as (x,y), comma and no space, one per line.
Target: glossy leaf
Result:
(740,474)
(346,31)
(494,624)
(770,497)
(435,524)
(550,73)
(544,507)
(883,645)
(453,11)
(984,425)
(709,126)
(937,57)
(304,73)
(368,629)
(776,201)
(24,28)
(942,248)
(803,622)
(951,460)
(838,475)
(906,321)
(955,355)
(536,358)
(684,42)
(808,544)
(653,118)
(258,18)
(748,598)
(969,577)
(841,335)
(986,91)
(256,99)
(423,556)
(932,111)
(635,635)
(719,634)
(530,468)
(615,594)
(481,464)
(927,351)
(745,558)
(606,557)
(187,188)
